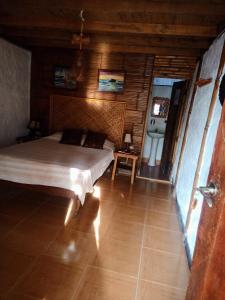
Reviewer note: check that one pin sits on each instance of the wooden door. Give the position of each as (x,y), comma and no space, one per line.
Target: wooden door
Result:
(207,280)
(176,104)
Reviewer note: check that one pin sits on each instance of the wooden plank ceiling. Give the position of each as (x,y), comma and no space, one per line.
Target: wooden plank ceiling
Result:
(177,32)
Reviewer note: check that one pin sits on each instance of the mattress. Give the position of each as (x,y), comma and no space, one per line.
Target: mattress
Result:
(49,163)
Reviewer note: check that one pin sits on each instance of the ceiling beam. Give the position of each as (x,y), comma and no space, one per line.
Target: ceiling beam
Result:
(141,28)
(123,39)
(126,6)
(148,50)
(107,47)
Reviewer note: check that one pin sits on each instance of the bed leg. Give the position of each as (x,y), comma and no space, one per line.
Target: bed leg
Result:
(72,209)
(76,206)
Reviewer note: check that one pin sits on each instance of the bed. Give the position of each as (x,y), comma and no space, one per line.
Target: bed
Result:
(47,163)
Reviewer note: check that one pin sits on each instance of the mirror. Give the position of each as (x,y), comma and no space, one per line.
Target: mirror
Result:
(160,107)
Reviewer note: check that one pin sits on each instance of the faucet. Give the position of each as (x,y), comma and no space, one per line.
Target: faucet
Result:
(152,122)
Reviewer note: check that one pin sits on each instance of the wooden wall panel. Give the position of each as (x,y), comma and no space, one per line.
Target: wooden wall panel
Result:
(174,66)
(97,115)
(138,68)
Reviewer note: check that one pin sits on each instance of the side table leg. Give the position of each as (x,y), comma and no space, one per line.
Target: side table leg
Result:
(133,171)
(114,168)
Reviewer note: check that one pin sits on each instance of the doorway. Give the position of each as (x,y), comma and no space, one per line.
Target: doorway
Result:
(163,122)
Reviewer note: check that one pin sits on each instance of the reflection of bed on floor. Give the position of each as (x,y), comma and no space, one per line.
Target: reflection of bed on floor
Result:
(46,163)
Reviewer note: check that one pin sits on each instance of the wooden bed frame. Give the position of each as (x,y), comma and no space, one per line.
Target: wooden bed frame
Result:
(97,115)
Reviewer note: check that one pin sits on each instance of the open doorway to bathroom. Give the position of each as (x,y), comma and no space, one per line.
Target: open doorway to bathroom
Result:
(162,128)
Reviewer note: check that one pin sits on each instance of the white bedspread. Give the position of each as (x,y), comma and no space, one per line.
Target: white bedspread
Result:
(47,162)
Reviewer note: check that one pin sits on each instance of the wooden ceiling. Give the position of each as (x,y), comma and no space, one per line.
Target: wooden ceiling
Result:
(165,28)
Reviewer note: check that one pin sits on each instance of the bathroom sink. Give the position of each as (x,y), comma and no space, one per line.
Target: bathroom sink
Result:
(154,134)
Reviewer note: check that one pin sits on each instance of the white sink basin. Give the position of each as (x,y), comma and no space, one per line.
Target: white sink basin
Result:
(153,134)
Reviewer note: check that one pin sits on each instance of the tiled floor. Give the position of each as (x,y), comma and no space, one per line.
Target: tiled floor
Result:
(152,172)
(124,244)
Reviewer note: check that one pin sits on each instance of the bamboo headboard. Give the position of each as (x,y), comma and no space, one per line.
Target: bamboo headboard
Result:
(94,114)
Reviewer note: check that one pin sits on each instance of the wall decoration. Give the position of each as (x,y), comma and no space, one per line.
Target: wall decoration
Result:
(160,107)
(63,78)
(111,81)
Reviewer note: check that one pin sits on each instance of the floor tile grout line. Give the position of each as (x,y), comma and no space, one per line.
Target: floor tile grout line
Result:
(165,229)
(22,276)
(162,212)
(27,295)
(77,289)
(113,271)
(141,258)
(22,221)
(164,284)
(36,258)
(164,251)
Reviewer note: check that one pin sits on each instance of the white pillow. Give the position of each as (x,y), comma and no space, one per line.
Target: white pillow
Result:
(109,145)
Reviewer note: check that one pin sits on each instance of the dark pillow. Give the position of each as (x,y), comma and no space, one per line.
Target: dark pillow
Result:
(72,137)
(95,140)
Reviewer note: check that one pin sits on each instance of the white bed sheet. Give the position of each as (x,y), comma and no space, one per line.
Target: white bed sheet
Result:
(47,162)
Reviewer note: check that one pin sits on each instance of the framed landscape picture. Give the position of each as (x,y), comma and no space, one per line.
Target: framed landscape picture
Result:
(63,78)
(111,81)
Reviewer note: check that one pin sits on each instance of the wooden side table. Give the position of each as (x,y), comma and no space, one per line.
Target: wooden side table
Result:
(127,156)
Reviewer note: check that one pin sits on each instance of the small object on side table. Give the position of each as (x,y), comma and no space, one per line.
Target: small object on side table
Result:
(126,155)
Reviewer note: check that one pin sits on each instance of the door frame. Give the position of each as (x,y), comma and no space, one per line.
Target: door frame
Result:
(179,117)
(204,138)
(146,122)
(207,271)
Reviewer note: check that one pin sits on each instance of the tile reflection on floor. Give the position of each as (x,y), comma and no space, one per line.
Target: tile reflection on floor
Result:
(125,243)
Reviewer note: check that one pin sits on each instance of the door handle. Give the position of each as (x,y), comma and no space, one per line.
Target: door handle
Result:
(208,192)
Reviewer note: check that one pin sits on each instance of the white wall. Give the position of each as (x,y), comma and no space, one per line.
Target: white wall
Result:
(198,119)
(184,121)
(14,92)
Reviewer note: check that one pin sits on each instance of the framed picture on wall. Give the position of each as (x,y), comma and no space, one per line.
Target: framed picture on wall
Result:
(111,81)
(63,78)
(160,107)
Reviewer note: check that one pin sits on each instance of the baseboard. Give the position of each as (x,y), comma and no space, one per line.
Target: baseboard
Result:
(144,160)
(154,180)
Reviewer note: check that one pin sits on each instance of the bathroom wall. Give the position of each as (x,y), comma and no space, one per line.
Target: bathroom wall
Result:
(157,91)
(197,124)
(14,92)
